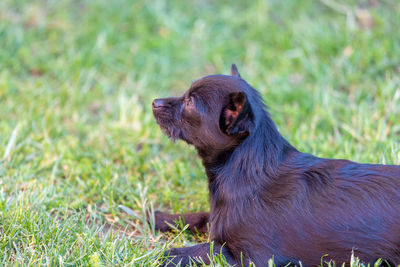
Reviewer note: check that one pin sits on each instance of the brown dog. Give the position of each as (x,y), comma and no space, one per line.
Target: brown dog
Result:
(267,198)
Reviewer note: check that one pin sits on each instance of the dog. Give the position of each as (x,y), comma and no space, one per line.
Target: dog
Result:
(269,200)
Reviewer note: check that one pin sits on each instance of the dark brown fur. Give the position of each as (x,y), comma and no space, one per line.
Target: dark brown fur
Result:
(267,198)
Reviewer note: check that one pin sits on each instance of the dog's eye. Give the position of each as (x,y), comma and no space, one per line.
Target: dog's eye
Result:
(189,101)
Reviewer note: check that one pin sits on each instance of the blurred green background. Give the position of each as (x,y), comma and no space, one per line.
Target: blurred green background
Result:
(81,156)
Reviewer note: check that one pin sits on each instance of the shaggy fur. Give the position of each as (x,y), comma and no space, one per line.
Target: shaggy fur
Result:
(270,200)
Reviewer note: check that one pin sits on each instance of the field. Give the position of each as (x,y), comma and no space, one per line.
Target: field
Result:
(81,157)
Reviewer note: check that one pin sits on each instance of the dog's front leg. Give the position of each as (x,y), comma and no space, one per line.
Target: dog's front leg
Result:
(196,254)
(197,221)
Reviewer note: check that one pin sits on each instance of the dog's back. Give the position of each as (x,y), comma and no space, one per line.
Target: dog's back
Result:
(346,206)
(315,207)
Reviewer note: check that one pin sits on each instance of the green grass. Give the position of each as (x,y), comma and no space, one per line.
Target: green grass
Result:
(81,157)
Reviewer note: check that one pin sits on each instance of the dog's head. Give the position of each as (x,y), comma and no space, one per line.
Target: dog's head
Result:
(215,113)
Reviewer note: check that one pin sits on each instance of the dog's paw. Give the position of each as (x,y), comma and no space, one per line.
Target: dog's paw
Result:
(174,257)
(161,220)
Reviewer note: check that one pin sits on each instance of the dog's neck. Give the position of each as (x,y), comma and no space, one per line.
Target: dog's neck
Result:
(213,159)
(262,151)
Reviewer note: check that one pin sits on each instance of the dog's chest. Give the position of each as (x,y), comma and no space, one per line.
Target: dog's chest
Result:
(229,223)
(241,231)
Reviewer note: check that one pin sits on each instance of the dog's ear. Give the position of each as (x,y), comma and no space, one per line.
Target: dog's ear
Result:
(236,116)
(234,71)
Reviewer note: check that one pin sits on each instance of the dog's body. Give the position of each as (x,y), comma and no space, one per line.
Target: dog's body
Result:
(268,199)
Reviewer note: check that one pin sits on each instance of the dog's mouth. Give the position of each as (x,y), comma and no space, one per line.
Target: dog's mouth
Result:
(167,123)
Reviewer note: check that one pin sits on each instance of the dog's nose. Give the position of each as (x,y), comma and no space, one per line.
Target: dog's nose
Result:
(158,103)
